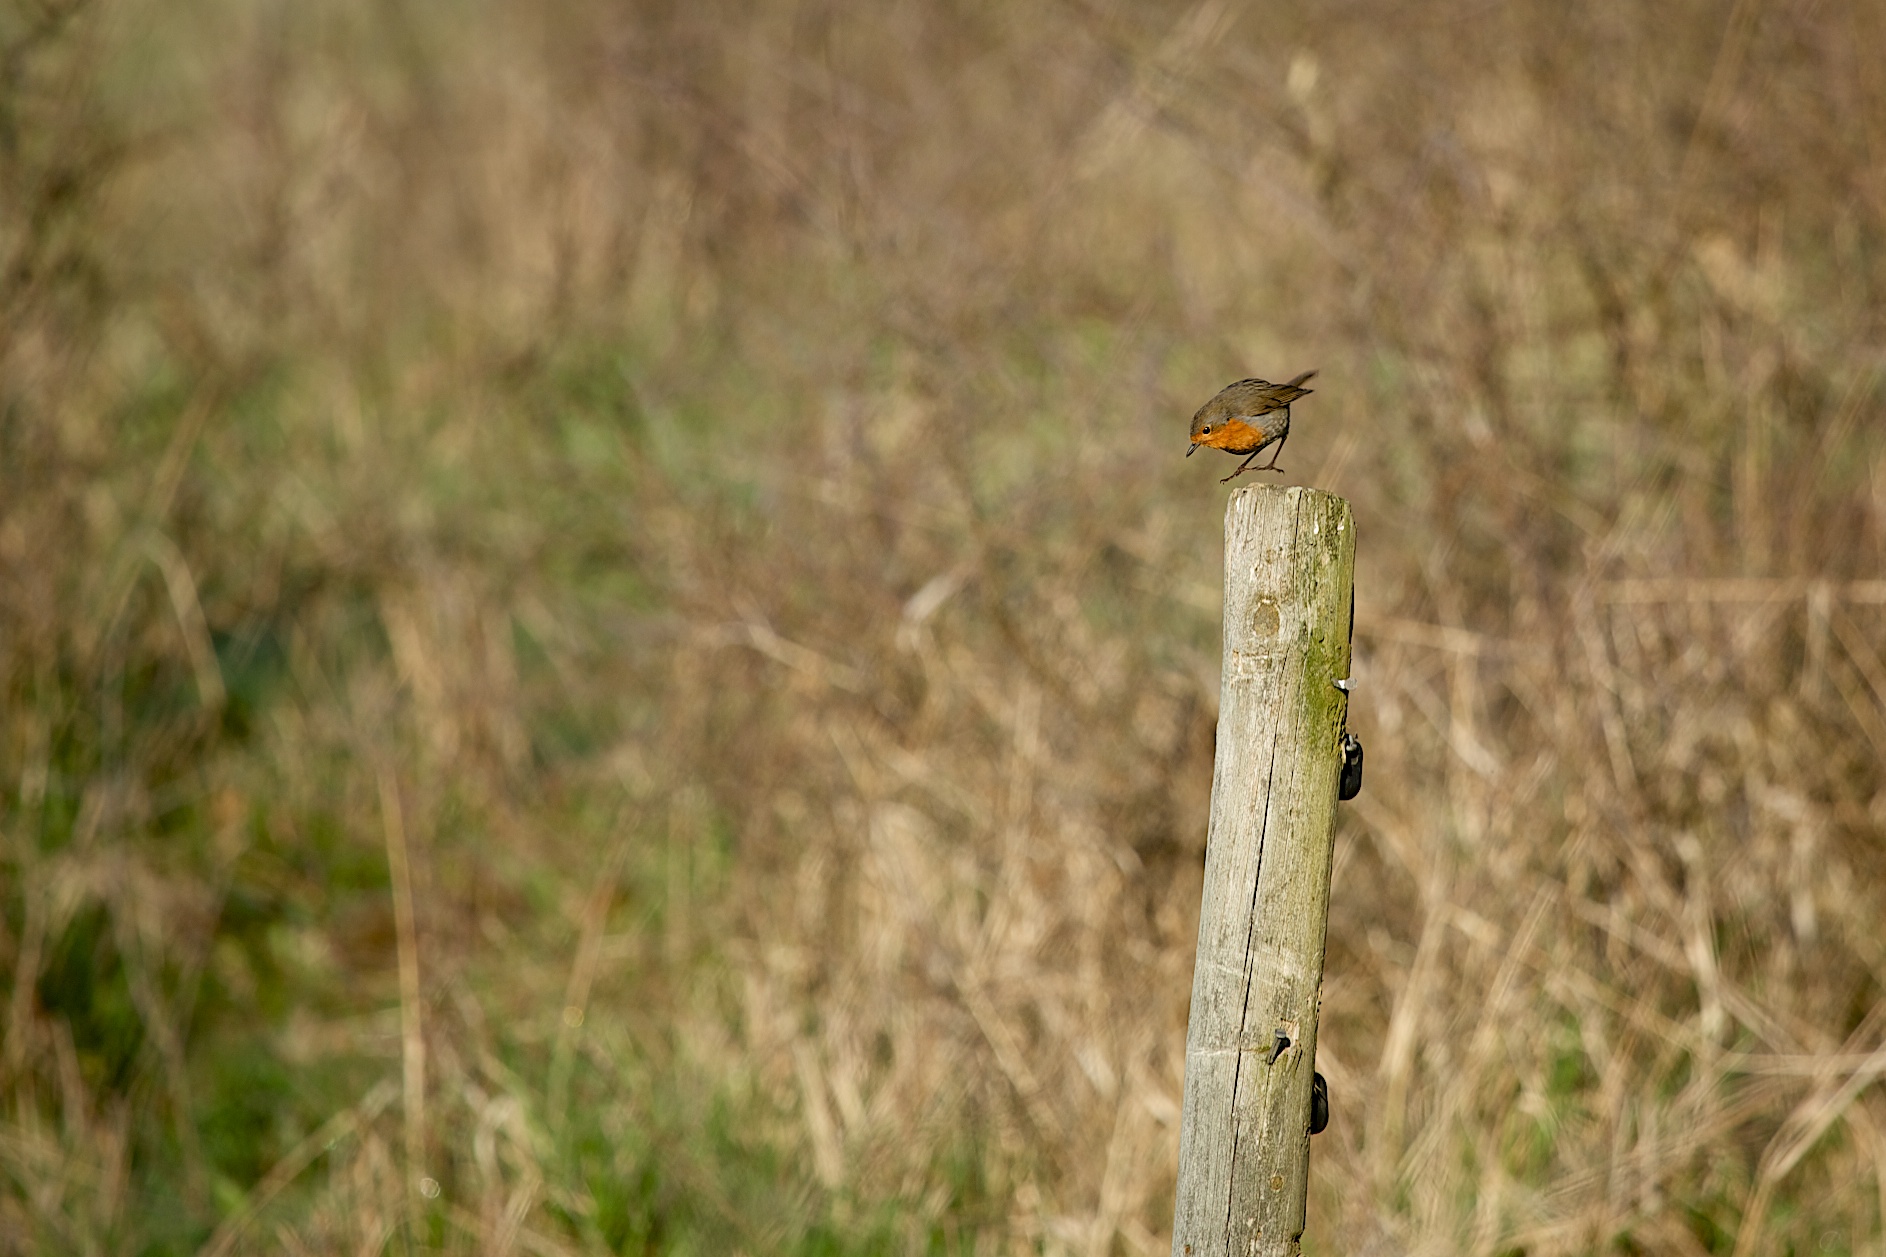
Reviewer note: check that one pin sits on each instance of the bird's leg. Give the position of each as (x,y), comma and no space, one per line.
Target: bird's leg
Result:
(1241,466)
(1272,464)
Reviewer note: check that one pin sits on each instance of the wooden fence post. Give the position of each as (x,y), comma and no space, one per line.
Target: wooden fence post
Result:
(1250,1047)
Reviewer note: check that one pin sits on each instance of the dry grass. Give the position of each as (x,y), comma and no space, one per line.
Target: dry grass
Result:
(606,646)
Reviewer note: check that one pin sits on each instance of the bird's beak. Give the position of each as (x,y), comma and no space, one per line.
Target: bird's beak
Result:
(1192,451)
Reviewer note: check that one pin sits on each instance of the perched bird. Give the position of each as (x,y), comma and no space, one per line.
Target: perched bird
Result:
(1245,418)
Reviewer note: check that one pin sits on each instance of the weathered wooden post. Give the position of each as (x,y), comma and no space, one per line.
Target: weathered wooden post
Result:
(1250,1048)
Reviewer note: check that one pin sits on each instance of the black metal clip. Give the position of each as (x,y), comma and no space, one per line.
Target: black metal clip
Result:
(1351,782)
(1319,1104)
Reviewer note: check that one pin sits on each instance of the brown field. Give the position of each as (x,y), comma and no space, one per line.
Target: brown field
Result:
(606,647)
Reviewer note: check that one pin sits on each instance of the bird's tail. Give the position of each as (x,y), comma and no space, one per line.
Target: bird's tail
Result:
(1300,379)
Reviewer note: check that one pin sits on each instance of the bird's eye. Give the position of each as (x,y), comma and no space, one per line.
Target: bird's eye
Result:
(1205,431)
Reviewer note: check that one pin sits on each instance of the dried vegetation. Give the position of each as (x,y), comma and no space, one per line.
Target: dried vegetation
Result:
(605,646)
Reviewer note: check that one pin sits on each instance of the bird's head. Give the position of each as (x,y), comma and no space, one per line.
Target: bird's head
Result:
(1209,426)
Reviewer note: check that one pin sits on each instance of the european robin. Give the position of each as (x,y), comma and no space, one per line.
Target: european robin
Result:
(1245,418)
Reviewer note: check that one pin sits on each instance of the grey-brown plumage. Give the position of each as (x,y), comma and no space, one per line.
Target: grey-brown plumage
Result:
(1246,418)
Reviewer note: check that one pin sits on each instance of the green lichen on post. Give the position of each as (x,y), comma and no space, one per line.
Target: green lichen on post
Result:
(1329,581)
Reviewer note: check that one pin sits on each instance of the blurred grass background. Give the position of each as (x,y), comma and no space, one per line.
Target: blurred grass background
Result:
(605,645)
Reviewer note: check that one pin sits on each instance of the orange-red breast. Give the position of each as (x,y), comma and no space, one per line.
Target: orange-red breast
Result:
(1245,418)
